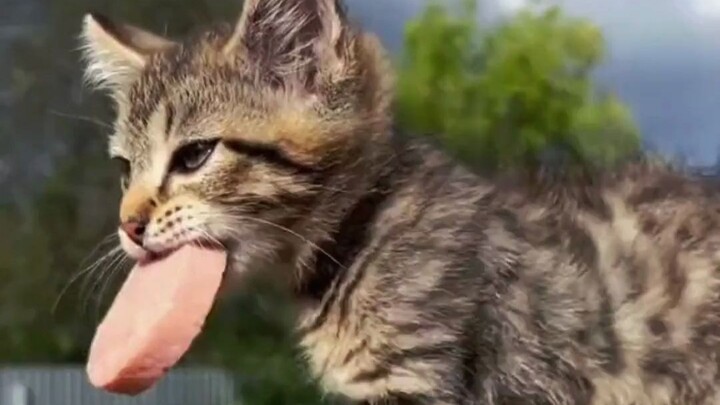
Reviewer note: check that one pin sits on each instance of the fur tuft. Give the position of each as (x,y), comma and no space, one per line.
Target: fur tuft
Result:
(115,54)
(291,39)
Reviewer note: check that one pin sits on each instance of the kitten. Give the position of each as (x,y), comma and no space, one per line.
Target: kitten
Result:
(417,281)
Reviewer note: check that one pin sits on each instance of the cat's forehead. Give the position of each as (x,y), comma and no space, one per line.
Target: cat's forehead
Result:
(175,93)
(167,106)
(194,91)
(183,82)
(135,141)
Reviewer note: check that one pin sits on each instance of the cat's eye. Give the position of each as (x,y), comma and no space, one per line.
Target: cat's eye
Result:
(189,158)
(124,167)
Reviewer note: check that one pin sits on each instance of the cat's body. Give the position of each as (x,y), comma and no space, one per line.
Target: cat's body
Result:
(417,281)
(491,291)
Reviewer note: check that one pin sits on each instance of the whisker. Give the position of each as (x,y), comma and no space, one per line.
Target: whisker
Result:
(235,216)
(87,269)
(206,236)
(84,118)
(112,237)
(109,278)
(110,256)
(102,273)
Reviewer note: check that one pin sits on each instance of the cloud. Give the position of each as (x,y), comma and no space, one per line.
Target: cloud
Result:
(706,8)
(510,6)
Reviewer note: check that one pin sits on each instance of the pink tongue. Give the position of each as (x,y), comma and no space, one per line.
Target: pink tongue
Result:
(158,312)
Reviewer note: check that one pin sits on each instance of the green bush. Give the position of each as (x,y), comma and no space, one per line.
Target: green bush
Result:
(504,97)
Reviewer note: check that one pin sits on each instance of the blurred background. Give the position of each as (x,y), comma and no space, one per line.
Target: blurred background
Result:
(506,83)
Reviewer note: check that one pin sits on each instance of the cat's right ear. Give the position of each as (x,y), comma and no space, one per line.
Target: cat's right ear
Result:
(116,53)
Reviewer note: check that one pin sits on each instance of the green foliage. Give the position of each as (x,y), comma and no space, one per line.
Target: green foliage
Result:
(504,97)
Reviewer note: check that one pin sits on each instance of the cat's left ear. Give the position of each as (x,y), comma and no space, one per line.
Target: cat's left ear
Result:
(292,36)
(116,53)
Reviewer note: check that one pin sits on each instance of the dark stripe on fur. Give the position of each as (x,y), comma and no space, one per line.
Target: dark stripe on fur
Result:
(351,236)
(610,349)
(169,118)
(269,154)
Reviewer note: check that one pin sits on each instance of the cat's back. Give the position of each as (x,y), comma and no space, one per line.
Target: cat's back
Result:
(614,282)
(602,289)
(599,290)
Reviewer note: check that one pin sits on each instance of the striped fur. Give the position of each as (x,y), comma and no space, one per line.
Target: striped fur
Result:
(417,281)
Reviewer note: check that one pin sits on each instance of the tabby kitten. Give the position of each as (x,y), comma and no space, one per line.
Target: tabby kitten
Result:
(417,282)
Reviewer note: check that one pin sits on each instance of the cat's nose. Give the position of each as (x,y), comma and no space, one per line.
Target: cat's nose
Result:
(134,228)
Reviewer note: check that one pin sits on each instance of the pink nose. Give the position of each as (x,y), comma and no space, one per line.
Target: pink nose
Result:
(135,229)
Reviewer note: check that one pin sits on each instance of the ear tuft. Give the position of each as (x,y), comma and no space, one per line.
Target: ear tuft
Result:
(289,37)
(116,54)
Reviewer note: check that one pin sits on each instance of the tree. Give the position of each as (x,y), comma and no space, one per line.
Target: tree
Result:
(505,97)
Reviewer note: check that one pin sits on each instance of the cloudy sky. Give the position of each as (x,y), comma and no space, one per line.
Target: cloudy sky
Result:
(664,61)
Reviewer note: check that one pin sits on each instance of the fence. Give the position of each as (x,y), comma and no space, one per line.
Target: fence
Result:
(67,385)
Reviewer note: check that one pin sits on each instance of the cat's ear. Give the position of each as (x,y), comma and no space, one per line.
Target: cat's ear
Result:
(116,53)
(289,34)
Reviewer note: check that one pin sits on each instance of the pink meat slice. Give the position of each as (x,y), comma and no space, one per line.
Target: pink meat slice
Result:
(155,317)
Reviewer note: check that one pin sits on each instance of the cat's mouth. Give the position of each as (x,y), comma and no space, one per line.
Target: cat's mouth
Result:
(160,254)
(150,253)
(229,283)
(144,256)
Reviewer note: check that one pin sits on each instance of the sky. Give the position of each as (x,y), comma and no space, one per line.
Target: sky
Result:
(664,61)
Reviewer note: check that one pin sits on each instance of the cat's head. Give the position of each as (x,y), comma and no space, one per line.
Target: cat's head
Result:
(243,135)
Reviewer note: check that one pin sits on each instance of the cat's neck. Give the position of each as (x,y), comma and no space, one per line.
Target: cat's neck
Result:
(348,238)
(352,230)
